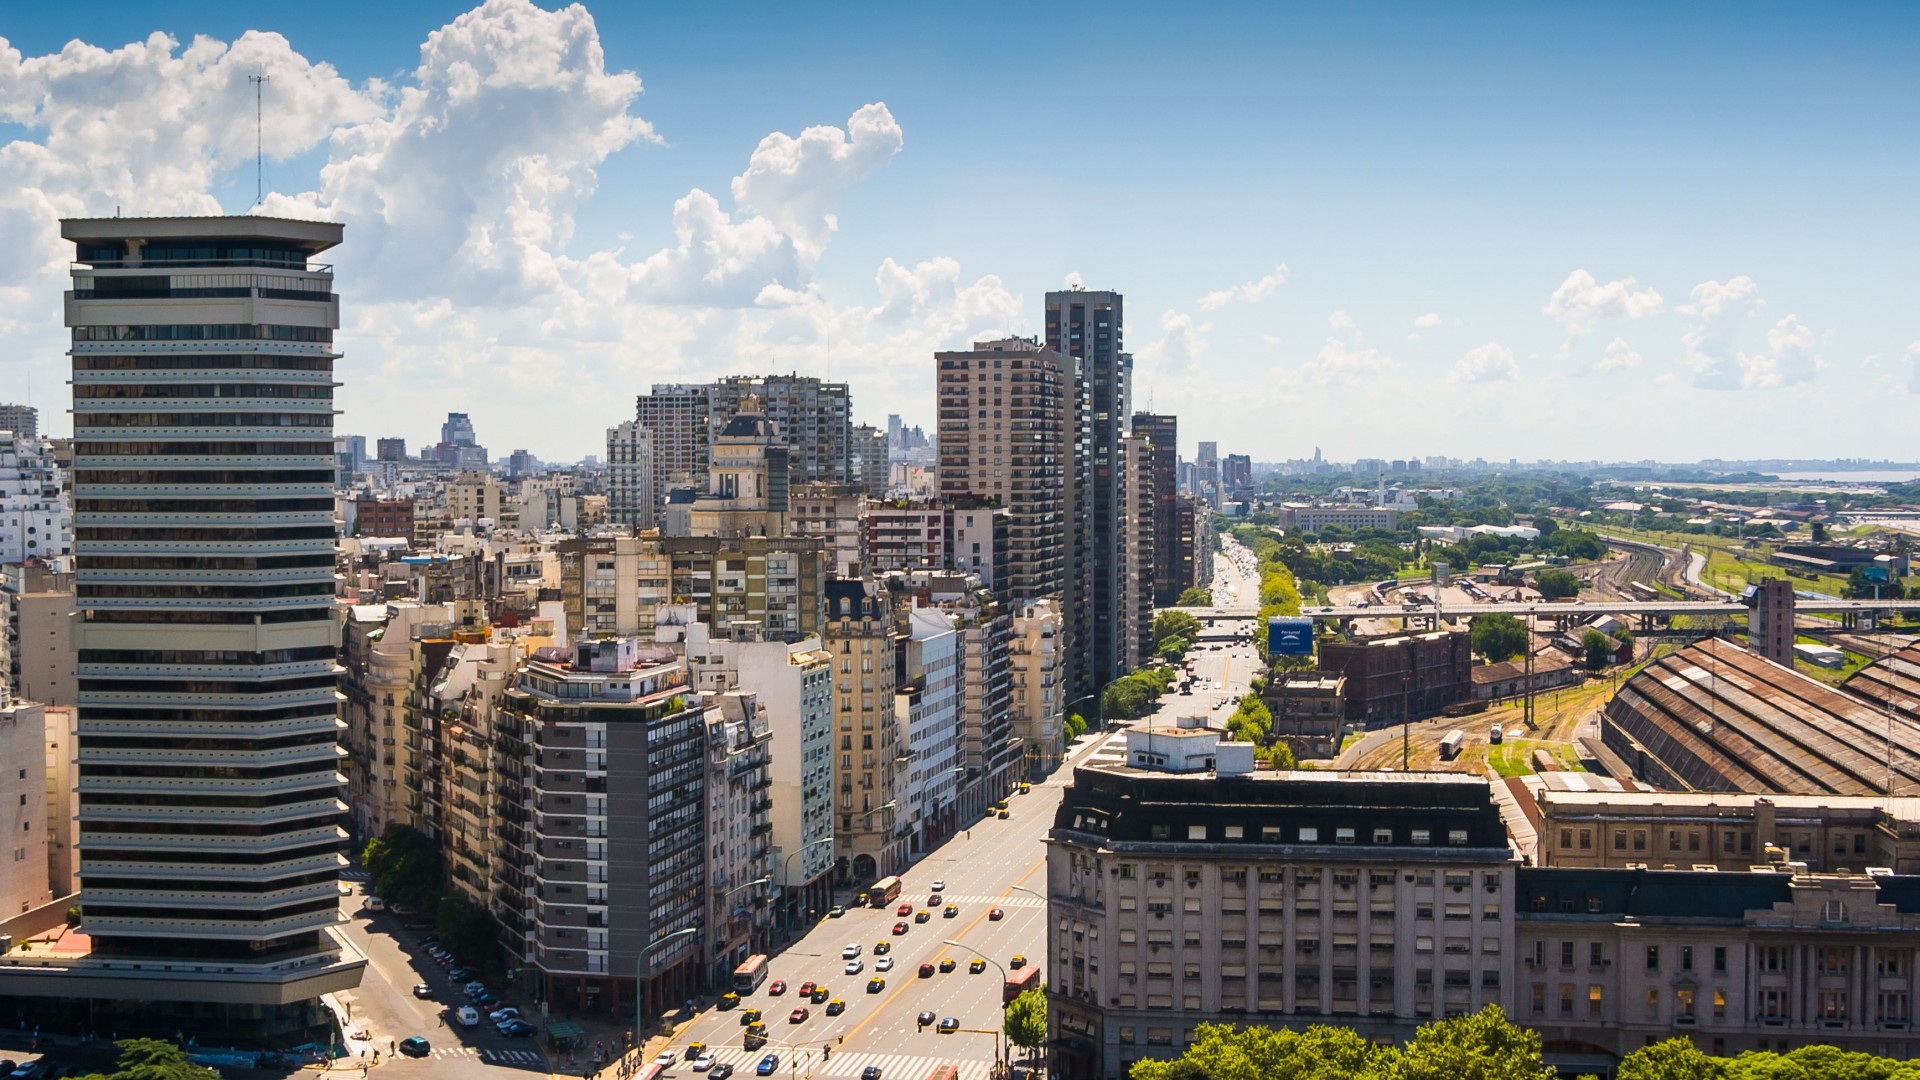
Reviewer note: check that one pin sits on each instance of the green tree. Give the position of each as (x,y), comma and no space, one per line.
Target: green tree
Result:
(1598,648)
(406,867)
(1482,1046)
(1497,636)
(1547,527)
(153,1059)
(1251,721)
(1674,1059)
(1196,597)
(1026,1019)
(1175,626)
(1075,726)
(469,932)
(1223,1052)
(1556,584)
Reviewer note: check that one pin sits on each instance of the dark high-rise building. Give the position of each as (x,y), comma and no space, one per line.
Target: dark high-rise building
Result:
(390,449)
(676,414)
(209,758)
(1086,326)
(1162,434)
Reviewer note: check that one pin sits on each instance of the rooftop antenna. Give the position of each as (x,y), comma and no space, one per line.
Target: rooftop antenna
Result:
(259,79)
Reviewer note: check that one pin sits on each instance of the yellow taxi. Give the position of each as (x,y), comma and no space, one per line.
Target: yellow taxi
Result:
(976,966)
(1017,963)
(750,1018)
(946,964)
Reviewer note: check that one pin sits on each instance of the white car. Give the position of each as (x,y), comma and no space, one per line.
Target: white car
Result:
(855,967)
(703,1063)
(468,1016)
(939,886)
(850,952)
(885,963)
(666,1059)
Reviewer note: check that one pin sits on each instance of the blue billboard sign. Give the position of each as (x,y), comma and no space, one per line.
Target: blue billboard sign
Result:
(1289,635)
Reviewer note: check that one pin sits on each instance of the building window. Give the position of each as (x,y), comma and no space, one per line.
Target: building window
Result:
(1683,1003)
(1309,834)
(1596,1000)
(1539,999)
(1653,1003)
(1653,958)
(1719,1004)
(1422,836)
(1566,999)
(1719,959)
(1457,837)
(1343,836)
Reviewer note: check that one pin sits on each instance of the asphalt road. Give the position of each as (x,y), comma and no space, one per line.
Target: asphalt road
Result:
(979,868)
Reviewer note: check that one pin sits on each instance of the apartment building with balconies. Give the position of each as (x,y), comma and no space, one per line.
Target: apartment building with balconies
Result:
(871,826)
(739,833)
(1036,659)
(602,801)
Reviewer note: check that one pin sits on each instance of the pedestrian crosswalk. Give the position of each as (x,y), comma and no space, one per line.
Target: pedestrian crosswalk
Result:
(847,1064)
(984,900)
(489,1055)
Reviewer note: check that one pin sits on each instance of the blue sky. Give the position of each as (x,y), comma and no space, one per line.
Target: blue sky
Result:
(1401,161)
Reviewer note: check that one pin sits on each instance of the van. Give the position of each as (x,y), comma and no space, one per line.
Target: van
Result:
(374,903)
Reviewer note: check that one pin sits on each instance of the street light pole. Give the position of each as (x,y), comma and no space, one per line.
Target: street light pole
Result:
(785,862)
(639,966)
(998,1058)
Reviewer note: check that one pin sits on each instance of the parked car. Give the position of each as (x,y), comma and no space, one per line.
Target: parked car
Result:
(516,1029)
(405,911)
(374,903)
(836,911)
(468,1016)
(501,1016)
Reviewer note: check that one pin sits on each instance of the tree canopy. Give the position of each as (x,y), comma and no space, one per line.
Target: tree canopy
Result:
(153,1059)
(1598,648)
(1498,636)
(1196,597)
(1483,1046)
(406,867)
(1556,584)
(1025,1022)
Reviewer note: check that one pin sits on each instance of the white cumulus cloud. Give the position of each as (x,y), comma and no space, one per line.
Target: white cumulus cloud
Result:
(1580,303)
(1428,321)
(1618,357)
(1790,358)
(1182,341)
(1248,292)
(1339,361)
(1340,320)
(1489,363)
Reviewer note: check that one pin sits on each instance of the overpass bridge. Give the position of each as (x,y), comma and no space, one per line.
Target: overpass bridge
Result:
(1645,612)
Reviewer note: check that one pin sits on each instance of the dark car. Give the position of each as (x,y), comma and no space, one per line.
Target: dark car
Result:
(422,991)
(926,971)
(949,1025)
(924,1018)
(720,1071)
(517,1029)
(461,973)
(768,1065)
(415,1046)
(871,1072)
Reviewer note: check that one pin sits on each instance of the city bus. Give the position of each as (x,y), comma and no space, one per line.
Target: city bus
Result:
(748,976)
(1018,982)
(944,1072)
(884,892)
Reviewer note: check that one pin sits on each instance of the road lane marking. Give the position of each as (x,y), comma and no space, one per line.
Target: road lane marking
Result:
(902,988)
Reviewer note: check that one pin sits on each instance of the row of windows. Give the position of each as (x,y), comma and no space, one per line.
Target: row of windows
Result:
(202,361)
(219,534)
(149,590)
(136,391)
(202,562)
(210,618)
(132,448)
(203,476)
(203,332)
(217,419)
(1275,834)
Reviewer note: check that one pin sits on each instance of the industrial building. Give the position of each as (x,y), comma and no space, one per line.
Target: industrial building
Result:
(1715,717)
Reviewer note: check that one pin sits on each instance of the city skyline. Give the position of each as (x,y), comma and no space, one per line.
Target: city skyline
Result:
(1481,243)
